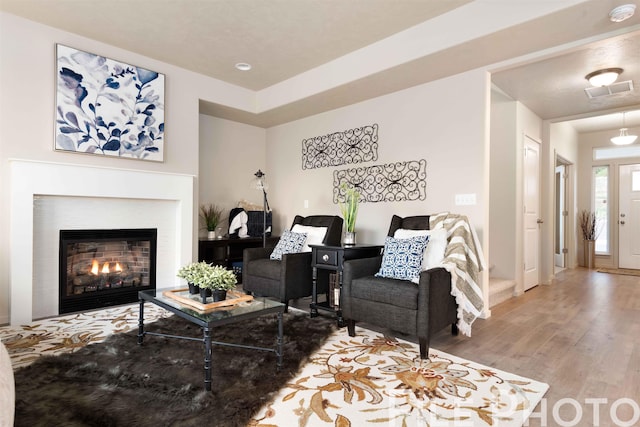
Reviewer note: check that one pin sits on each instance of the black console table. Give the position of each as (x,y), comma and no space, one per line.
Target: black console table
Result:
(332,258)
(226,252)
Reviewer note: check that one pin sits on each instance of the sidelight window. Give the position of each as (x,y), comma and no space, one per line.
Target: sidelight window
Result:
(601,207)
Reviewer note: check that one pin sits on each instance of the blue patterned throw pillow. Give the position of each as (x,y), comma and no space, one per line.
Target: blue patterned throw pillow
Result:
(289,243)
(402,258)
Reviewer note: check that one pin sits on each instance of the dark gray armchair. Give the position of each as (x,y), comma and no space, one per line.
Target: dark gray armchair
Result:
(290,278)
(399,305)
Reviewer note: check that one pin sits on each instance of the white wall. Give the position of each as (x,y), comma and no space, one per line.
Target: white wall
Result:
(27,112)
(448,133)
(503,208)
(230,154)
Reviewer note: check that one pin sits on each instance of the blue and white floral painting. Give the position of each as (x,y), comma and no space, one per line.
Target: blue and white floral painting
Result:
(108,108)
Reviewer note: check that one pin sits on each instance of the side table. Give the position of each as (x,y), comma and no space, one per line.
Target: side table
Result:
(331,258)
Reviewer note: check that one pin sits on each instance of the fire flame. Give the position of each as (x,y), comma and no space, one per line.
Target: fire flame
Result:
(95,268)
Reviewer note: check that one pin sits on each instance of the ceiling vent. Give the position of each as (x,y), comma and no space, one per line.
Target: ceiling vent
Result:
(613,89)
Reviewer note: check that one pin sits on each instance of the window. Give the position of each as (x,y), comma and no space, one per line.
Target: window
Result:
(606,153)
(601,206)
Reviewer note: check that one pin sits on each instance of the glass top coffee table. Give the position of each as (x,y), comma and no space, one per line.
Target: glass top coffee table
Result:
(210,319)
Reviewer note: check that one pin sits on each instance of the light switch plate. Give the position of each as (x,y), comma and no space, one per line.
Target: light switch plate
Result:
(466,199)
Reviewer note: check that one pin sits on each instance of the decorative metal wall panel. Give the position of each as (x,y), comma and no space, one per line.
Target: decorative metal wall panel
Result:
(392,182)
(357,145)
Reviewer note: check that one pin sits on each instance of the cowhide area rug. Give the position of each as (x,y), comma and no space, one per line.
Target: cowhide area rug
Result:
(119,383)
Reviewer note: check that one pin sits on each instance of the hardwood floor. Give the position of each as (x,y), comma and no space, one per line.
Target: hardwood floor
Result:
(581,335)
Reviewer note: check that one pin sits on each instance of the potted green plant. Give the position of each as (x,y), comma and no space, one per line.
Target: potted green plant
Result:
(349,209)
(590,227)
(190,273)
(217,280)
(211,215)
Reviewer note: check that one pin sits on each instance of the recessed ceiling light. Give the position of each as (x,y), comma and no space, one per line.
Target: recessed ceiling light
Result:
(622,13)
(243,66)
(603,77)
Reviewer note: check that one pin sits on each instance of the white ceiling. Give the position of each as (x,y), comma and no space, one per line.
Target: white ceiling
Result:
(310,56)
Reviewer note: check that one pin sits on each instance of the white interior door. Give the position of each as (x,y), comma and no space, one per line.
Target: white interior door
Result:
(629,217)
(532,221)
(561,212)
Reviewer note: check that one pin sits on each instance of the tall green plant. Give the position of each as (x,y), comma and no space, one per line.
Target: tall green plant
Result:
(349,207)
(211,214)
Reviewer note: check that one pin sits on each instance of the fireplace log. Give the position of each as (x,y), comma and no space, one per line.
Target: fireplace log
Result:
(85,279)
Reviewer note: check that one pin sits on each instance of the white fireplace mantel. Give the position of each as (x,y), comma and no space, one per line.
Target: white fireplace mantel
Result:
(30,179)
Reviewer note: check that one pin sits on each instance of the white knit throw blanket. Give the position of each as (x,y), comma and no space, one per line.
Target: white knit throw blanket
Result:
(463,258)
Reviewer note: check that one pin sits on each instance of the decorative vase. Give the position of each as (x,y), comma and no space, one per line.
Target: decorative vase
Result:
(211,234)
(350,238)
(194,289)
(590,253)
(204,293)
(219,295)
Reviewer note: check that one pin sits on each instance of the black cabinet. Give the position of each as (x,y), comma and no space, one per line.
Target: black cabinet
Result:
(228,252)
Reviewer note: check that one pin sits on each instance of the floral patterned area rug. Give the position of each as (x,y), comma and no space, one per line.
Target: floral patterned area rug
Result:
(71,332)
(373,380)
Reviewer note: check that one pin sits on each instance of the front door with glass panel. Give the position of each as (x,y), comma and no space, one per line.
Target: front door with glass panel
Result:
(629,217)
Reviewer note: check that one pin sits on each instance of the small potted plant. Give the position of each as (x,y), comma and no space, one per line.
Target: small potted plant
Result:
(189,273)
(211,215)
(217,280)
(349,209)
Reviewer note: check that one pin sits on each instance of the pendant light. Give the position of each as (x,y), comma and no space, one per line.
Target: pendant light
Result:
(624,138)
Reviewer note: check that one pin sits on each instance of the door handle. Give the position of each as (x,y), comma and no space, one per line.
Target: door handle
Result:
(621,222)
(539,221)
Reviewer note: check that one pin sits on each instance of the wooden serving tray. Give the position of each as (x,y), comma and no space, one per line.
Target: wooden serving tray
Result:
(195,301)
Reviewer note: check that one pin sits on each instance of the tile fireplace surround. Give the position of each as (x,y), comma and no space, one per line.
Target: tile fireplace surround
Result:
(47,197)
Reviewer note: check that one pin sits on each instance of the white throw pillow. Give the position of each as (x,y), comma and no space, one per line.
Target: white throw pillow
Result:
(434,252)
(315,235)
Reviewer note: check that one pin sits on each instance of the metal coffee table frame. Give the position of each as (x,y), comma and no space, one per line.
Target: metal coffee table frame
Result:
(207,321)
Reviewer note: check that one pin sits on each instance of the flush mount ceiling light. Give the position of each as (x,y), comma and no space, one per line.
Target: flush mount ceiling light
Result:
(243,66)
(622,13)
(624,138)
(603,77)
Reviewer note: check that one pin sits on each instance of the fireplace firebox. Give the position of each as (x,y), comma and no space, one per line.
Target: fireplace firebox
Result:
(101,268)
